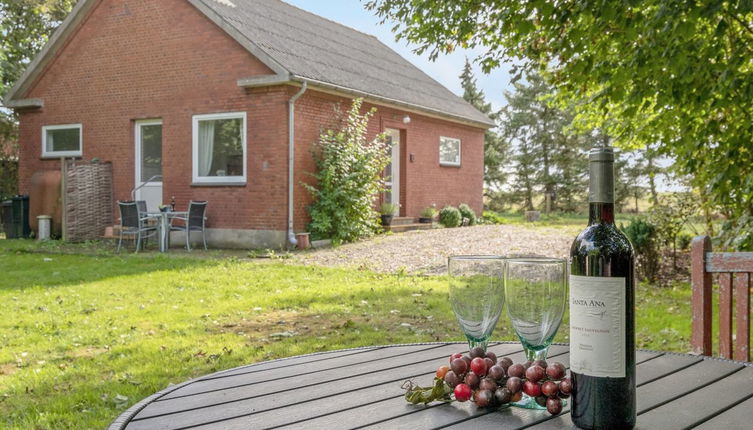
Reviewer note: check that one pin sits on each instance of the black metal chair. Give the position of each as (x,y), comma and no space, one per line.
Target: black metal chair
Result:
(133,223)
(195,221)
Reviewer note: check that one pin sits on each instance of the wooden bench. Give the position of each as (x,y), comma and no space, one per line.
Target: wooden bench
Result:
(733,270)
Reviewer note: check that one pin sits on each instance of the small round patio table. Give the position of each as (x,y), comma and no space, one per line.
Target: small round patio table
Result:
(361,388)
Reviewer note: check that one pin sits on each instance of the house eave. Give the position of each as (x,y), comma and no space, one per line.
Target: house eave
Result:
(264,81)
(24,104)
(386,101)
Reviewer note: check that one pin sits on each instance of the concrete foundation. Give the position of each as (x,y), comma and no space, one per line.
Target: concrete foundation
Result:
(220,238)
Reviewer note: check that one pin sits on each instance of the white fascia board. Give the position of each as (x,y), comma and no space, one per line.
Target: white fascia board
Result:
(24,103)
(386,101)
(264,81)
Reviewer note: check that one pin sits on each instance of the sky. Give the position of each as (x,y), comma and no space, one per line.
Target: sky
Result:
(446,69)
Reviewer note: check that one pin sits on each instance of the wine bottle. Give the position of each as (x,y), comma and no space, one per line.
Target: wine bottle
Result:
(602,310)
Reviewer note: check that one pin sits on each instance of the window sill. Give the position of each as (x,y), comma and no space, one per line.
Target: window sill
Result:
(449,165)
(59,156)
(218,184)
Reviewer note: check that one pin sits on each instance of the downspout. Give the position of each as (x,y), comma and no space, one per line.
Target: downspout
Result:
(291,161)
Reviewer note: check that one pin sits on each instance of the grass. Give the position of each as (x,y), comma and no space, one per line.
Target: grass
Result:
(85,336)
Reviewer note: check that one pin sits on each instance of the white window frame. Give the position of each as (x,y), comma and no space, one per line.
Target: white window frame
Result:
(460,147)
(56,154)
(195,149)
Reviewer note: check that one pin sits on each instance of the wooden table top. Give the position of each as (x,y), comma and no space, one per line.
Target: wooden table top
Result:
(361,388)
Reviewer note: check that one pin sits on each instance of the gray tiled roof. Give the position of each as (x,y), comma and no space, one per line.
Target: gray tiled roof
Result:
(314,48)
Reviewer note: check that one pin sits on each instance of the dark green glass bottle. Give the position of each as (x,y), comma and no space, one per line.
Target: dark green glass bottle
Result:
(602,310)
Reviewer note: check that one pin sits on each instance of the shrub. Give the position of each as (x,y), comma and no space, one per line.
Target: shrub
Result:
(491,217)
(643,235)
(388,209)
(449,216)
(683,241)
(428,212)
(348,176)
(467,213)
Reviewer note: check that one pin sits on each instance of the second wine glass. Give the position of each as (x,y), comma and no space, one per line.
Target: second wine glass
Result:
(536,295)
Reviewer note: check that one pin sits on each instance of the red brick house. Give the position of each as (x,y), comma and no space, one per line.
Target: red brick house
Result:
(221,100)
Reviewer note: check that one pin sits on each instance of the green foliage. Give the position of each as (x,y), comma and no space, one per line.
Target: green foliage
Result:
(547,159)
(738,233)
(428,212)
(450,216)
(670,217)
(644,237)
(388,209)
(683,241)
(491,217)
(467,213)
(25,27)
(348,176)
(496,148)
(671,72)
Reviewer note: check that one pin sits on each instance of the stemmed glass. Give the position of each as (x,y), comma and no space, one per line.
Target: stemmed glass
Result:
(477,294)
(536,293)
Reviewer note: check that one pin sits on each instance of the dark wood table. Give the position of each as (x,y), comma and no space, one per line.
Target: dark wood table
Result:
(361,388)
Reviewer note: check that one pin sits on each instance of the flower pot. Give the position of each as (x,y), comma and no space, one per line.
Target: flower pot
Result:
(304,241)
(423,220)
(387,219)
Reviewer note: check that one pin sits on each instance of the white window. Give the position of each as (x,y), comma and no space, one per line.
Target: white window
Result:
(219,148)
(61,140)
(449,151)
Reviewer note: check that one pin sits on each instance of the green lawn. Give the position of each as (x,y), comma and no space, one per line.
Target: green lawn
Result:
(85,336)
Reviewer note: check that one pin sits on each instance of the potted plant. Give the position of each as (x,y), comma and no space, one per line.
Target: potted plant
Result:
(427,215)
(387,211)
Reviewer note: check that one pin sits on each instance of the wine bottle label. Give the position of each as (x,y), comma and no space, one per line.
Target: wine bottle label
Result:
(597,326)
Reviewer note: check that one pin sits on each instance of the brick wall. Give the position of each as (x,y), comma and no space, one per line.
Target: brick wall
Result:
(145,59)
(423,181)
(140,59)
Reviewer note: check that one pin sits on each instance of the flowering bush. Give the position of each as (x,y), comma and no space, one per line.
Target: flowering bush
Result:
(349,177)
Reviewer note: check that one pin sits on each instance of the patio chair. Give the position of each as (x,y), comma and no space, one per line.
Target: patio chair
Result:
(133,223)
(195,221)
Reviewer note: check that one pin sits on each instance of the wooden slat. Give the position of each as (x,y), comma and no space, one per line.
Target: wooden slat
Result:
(396,413)
(725,315)
(239,379)
(311,409)
(203,408)
(293,361)
(742,317)
(703,403)
(674,384)
(700,340)
(729,262)
(738,417)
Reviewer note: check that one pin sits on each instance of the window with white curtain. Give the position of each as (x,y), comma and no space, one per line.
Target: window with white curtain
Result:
(61,140)
(219,148)
(449,151)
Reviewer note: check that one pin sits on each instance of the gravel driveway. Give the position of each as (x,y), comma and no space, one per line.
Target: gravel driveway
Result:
(427,251)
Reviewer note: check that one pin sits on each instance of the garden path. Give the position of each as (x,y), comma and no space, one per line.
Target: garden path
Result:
(427,251)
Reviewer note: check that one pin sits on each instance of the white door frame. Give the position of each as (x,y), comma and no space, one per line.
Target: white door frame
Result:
(138,160)
(394,182)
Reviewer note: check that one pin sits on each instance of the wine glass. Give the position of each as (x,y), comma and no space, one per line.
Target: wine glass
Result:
(477,294)
(536,293)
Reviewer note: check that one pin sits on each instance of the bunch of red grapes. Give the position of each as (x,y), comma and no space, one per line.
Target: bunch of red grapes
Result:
(489,382)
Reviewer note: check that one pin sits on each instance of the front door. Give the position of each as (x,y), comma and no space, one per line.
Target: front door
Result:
(149,163)
(392,172)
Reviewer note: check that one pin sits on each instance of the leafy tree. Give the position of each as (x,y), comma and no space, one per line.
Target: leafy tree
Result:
(348,177)
(495,148)
(25,27)
(674,72)
(546,159)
